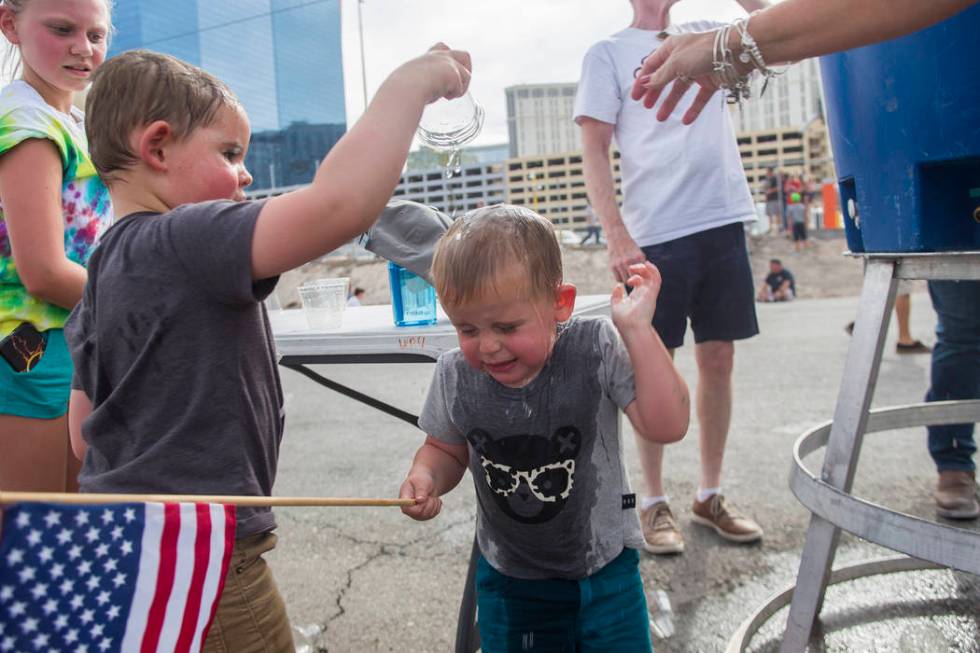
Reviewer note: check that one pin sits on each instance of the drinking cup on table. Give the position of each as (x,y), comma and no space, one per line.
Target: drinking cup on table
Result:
(323,302)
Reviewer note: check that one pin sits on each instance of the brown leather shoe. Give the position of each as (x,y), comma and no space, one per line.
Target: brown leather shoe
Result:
(660,532)
(726,521)
(956,495)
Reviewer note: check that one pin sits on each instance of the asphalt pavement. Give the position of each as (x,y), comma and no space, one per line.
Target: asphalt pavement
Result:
(374,580)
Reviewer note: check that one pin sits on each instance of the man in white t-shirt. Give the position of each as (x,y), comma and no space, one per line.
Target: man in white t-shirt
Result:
(685,199)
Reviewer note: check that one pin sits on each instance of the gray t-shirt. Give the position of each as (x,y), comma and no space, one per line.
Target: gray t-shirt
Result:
(172,345)
(796,213)
(546,459)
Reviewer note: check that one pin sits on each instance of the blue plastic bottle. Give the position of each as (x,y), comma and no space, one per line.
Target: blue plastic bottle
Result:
(413,299)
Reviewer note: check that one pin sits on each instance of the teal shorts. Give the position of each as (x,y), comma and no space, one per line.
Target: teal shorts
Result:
(606,611)
(41,393)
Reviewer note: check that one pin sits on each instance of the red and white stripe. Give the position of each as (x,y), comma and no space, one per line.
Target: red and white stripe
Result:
(184,556)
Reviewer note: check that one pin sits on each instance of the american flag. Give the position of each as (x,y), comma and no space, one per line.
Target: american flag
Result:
(123,577)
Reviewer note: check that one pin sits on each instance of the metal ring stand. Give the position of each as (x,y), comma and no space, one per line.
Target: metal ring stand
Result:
(828,497)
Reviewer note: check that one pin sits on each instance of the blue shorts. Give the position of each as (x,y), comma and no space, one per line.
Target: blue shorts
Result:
(41,393)
(606,611)
(707,278)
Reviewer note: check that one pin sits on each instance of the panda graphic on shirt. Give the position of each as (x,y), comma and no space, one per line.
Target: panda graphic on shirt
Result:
(530,476)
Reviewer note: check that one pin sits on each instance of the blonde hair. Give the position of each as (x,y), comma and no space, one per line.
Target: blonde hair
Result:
(480,248)
(11,57)
(138,87)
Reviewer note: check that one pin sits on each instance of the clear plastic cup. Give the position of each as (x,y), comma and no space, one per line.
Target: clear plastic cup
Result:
(447,125)
(323,302)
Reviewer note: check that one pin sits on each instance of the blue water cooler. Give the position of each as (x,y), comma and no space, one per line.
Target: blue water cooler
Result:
(904,120)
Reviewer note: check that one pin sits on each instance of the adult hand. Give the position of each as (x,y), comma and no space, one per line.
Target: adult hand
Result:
(683,59)
(623,252)
(420,487)
(636,309)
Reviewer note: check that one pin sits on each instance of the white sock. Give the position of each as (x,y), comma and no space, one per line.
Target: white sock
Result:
(646,502)
(704,495)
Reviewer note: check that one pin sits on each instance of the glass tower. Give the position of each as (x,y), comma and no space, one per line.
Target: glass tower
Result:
(282,58)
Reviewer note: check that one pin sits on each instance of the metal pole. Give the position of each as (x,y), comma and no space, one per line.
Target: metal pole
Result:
(360,31)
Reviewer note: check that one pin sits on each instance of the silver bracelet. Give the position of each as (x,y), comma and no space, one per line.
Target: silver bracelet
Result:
(723,61)
(751,54)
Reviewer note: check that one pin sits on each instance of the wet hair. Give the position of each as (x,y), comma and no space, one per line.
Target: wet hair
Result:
(482,248)
(11,57)
(139,87)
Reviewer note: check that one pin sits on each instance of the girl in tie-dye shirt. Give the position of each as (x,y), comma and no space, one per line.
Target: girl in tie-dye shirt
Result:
(53,208)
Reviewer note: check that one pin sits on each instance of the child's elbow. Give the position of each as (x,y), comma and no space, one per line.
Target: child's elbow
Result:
(669,428)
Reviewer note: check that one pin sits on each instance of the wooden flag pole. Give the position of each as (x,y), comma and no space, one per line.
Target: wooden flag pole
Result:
(93,498)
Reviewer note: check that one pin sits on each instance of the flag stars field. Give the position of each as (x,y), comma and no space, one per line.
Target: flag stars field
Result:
(111,578)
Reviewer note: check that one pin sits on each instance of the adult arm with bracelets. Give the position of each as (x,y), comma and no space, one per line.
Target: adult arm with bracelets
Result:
(789,31)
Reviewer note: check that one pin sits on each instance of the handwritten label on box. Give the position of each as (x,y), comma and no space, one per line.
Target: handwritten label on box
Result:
(412,342)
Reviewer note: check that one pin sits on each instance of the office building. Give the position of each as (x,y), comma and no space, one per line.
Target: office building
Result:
(477,184)
(554,186)
(282,58)
(424,158)
(539,119)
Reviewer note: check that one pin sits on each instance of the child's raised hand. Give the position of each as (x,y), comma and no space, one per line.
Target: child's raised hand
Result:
(420,487)
(441,72)
(637,308)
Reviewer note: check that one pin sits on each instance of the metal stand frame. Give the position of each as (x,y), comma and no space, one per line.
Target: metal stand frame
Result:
(828,497)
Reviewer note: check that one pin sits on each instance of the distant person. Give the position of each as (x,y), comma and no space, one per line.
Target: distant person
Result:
(53,210)
(685,204)
(792,185)
(779,286)
(774,205)
(530,403)
(796,213)
(592,228)
(176,387)
(356,298)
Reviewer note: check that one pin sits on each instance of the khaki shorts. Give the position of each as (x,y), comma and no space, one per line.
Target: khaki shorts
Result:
(251,615)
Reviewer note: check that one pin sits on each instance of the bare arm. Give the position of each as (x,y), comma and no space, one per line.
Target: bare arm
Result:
(789,31)
(599,184)
(359,174)
(661,411)
(753,5)
(79,408)
(437,469)
(797,29)
(30,188)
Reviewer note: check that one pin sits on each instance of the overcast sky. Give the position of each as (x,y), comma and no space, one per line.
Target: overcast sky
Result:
(511,41)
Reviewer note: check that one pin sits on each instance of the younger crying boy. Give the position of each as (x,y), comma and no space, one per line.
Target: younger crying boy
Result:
(530,403)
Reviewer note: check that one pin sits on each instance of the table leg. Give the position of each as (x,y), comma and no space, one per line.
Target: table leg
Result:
(354,394)
(467,634)
(843,447)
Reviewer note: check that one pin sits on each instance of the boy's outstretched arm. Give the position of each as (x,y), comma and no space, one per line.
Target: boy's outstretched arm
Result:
(359,174)
(662,408)
(437,469)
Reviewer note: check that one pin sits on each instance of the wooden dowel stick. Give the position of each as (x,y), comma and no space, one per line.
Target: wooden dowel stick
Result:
(64,497)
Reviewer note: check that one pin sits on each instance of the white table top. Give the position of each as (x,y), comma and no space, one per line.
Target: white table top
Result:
(370,331)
